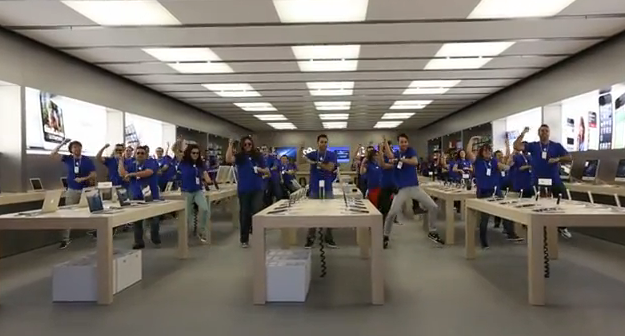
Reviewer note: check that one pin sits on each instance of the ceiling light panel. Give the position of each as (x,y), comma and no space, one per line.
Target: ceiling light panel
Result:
(204,67)
(410,104)
(397,115)
(291,11)
(471,49)
(232,90)
(432,87)
(123,12)
(182,54)
(327,58)
(387,124)
(333,105)
(331,88)
(518,8)
(282,126)
(456,63)
(335,124)
(334,116)
(270,117)
(256,107)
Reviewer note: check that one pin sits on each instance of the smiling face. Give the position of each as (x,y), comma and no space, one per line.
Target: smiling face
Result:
(284,160)
(543,133)
(248,145)
(141,154)
(403,143)
(129,151)
(322,143)
(119,150)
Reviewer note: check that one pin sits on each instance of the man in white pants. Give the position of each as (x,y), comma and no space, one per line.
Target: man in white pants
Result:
(408,185)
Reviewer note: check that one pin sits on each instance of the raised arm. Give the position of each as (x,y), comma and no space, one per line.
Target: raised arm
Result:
(98,156)
(55,152)
(518,143)
(229,154)
(469,150)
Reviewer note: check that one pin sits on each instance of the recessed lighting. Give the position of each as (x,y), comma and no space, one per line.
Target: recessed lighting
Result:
(327,58)
(282,126)
(472,49)
(331,88)
(256,107)
(321,10)
(430,87)
(124,13)
(333,105)
(182,54)
(410,104)
(335,124)
(457,63)
(232,90)
(334,116)
(204,67)
(270,117)
(387,124)
(397,115)
(518,8)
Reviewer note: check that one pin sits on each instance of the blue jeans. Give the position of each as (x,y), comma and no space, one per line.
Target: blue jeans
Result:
(155,230)
(249,204)
(508,226)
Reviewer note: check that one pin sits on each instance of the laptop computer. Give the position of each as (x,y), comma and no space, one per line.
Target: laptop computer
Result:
(169,186)
(124,199)
(64,182)
(591,167)
(36,184)
(96,206)
(50,203)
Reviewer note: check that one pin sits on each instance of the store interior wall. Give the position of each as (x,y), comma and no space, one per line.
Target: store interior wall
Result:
(200,138)
(28,63)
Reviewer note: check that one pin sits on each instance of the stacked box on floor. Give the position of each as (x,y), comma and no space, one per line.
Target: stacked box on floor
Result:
(288,275)
(77,280)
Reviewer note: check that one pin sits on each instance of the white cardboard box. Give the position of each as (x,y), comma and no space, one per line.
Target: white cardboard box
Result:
(76,280)
(288,275)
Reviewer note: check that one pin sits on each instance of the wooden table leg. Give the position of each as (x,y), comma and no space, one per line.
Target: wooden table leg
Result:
(364,241)
(519,229)
(377,265)
(209,223)
(462,210)
(552,241)
(450,220)
(259,267)
(470,223)
(183,234)
(535,265)
(234,208)
(105,265)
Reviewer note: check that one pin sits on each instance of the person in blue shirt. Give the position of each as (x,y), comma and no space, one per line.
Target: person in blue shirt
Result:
(372,170)
(274,190)
(193,176)
(462,168)
(164,172)
(408,188)
(504,183)
(486,169)
(141,176)
(250,167)
(287,173)
(111,163)
(521,174)
(546,158)
(388,184)
(80,174)
(322,164)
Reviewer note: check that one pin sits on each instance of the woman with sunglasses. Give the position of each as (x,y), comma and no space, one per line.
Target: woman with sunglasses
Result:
(192,172)
(250,167)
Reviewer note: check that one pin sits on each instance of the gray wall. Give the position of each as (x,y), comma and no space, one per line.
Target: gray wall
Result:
(25,62)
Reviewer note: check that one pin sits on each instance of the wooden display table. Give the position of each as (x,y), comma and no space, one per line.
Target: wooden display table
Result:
(224,193)
(599,189)
(449,195)
(539,224)
(82,219)
(311,214)
(24,197)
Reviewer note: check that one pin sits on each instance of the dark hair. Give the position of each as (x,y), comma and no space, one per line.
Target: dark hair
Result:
(186,157)
(143,148)
(242,143)
(498,152)
(120,145)
(485,147)
(543,125)
(72,144)
(253,153)
(402,135)
(371,153)
(321,136)
(390,143)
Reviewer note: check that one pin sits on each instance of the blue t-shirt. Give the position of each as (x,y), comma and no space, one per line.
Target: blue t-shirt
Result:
(374,175)
(453,176)
(191,176)
(77,167)
(283,168)
(521,179)
(111,164)
(486,171)
(464,165)
(406,176)
(248,180)
(388,175)
(138,184)
(318,174)
(175,166)
(274,162)
(167,173)
(541,154)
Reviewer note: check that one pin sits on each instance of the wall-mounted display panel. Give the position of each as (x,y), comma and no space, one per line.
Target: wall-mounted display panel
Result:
(140,130)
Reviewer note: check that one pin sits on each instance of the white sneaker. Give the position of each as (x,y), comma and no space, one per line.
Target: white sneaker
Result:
(565,233)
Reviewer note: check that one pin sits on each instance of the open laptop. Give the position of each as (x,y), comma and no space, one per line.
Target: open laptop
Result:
(64,182)
(50,203)
(620,171)
(96,206)
(169,186)
(591,167)
(36,184)
(124,199)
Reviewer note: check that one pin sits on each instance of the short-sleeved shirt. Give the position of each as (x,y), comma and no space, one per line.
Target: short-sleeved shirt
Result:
(485,171)
(274,162)
(521,179)
(168,173)
(77,167)
(112,165)
(541,153)
(283,168)
(388,175)
(374,175)
(191,177)
(249,180)
(406,175)
(138,184)
(318,174)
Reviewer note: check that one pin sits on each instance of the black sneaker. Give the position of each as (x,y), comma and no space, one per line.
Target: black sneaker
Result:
(385,242)
(433,236)
(94,234)
(331,244)
(485,247)
(63,245)
(309,243)
(514,238)
(138,246)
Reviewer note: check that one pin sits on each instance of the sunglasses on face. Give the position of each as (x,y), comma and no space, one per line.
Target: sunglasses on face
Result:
(195,153)
(140,153)
(247,144)
(119,151)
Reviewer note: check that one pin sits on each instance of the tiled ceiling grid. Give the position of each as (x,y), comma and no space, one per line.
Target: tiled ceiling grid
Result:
(315,64)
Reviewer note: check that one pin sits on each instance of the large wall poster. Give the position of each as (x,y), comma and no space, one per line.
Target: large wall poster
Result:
(580,122)
(515,124)
(141,130)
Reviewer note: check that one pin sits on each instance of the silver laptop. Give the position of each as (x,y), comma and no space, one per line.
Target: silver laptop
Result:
(96,206)
(35,184)
(50,203)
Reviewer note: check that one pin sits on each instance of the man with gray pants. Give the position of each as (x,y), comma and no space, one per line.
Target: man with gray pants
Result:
(80,173)
(408,185)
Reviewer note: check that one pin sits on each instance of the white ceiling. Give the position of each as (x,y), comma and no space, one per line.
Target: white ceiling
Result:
(397,40)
